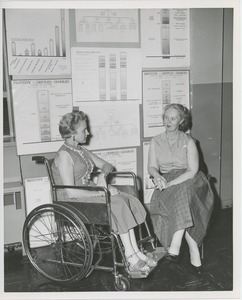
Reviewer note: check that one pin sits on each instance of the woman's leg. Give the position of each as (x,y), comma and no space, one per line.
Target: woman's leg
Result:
(131,248)
(194,251)
(150,261)
(176,242)
(130,252)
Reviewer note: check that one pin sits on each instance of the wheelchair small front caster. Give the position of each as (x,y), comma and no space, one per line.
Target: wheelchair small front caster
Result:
(121,283)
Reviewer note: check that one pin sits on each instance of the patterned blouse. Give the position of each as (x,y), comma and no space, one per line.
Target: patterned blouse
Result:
(83,165)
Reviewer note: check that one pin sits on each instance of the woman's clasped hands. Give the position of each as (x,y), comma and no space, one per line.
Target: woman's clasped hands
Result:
(160,183)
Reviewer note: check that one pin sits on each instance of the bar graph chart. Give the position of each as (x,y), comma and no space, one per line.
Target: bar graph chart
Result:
(55,46)
(38,41)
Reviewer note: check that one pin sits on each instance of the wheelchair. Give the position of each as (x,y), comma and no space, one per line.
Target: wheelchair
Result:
(66,241)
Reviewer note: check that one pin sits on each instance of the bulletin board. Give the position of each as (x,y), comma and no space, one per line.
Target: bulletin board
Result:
(119,66)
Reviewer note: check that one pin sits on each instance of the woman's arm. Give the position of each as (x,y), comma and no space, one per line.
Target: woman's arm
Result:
(153,168)
(65,166)
(192,165)
(101,164)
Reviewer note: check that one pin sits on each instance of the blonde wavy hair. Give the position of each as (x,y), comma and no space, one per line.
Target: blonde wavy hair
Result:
(69,123)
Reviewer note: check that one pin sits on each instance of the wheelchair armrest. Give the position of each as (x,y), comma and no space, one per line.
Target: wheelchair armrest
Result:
(123,173)
(89,188)
(127,174)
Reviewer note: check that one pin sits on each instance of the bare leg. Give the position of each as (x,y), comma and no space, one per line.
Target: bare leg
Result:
(130,251)
(176,242)
(133,240)
(125,238)
(134,244)
(150,261)
(194,251)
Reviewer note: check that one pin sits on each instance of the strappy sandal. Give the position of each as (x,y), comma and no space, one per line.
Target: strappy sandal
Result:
(140,266)
(150,261)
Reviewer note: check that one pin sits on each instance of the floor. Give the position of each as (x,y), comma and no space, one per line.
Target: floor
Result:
(167,276)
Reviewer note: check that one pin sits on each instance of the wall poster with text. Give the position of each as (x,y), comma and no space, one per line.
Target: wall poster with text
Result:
(38,42)
(38,107)
(165,38)
(159,89)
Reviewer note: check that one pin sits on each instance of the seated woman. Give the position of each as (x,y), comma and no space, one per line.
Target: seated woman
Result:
(74,164)
(182,202)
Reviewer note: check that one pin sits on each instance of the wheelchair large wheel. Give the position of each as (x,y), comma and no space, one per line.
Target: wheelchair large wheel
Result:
(57,243)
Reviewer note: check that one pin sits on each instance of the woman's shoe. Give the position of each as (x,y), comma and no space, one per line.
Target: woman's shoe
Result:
(172,257)
(197,270)
(150,261)
(139,266)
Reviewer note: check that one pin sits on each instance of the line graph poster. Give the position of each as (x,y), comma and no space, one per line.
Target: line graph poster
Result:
(38,107)
(112,124)
(159,89)
(106,74)
(165,40)
(38,41)
(123,160)
(107,25)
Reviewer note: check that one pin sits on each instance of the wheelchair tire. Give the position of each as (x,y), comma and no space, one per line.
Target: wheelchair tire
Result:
(58,244)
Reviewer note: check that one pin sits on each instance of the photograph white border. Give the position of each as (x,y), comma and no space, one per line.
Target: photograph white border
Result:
(235,294)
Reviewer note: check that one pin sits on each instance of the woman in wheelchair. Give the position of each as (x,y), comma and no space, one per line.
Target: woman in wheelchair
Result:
(74,164)
(182,202)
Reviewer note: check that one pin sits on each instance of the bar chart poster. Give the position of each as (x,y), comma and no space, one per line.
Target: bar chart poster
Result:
(106,74)
(38,107)
(165,38)
(161,88)
(38,42)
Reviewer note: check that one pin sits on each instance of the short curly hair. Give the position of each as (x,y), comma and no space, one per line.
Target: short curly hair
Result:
(184,114)
(69,123)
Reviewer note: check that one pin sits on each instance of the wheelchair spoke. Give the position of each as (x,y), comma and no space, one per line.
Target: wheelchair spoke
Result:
(58,244)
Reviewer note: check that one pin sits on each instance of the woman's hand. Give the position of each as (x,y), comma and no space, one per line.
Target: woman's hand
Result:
(101,180)
(160,183)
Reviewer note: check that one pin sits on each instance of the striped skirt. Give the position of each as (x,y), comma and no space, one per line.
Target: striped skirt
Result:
(187,205)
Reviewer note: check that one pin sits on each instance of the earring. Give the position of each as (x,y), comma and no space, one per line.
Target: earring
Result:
(73,138)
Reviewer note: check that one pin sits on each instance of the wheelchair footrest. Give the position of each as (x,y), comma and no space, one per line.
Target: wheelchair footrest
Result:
(146,239)
(159,253)
(138,274)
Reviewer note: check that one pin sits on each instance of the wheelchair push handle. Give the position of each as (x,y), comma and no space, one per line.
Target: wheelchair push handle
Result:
(38,159)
